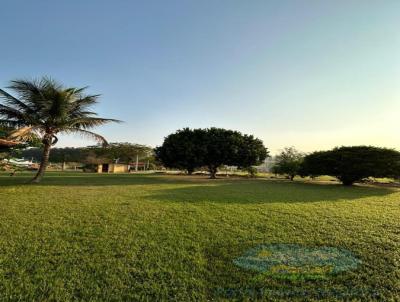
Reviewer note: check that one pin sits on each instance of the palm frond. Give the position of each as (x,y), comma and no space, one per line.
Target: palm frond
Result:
(22,132)
(84,102)
(83,114)
(12,101)
(86,134)
(90,122)
(11,123)
(8,143)
(50,108)
(36,93)
(26,89)
(11,113)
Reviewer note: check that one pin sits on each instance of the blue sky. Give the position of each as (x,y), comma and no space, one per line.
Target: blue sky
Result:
(312,74)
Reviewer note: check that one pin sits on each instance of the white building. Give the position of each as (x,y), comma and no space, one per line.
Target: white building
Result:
(266,167)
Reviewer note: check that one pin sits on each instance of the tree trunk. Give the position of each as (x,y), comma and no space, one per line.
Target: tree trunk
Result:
(213,172)
(43,165)
(347,182)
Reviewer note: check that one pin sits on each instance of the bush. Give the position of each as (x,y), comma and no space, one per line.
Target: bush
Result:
(351,164)
(252,171)
(288,162)
(90,168)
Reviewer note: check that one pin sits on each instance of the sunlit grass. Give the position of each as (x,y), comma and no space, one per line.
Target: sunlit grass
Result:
(131,237)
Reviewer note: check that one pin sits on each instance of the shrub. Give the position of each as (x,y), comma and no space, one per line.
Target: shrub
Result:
(351,164)
(252,171)
(288,162)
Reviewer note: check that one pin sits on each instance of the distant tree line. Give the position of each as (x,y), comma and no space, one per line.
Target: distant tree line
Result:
(98,154)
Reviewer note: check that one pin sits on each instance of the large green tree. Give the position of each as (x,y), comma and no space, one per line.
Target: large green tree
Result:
(351,164)
(190,149)
(47,108)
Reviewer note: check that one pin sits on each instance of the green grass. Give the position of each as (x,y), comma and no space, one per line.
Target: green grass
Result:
(95,237)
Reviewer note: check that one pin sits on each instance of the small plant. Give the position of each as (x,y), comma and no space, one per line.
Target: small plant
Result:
(252,171)
(288,162)
(90,168)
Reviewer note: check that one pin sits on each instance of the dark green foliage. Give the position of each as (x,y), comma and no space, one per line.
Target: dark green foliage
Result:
(3,132)
(190,149)
(251,152)
(222,148)
(183,149)
(123,152)
(57,155)
(351,164)
(251,170)
(288,162)
(90,168)
(3,148)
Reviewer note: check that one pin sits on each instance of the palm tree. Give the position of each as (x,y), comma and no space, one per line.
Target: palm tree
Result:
(46,108)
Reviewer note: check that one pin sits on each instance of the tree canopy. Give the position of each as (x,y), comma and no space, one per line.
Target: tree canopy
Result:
(194,148)
(183,149)
(351,164)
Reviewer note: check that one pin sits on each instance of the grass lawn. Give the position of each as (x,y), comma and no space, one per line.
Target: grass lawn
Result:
(155,238)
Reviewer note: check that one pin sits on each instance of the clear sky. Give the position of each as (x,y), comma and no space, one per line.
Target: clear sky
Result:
(312,74)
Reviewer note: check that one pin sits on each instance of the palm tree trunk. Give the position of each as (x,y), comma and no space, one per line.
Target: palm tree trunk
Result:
(43,165)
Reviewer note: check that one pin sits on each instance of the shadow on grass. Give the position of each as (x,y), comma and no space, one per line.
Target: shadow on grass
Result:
(94,179)
(264,191)
(84,179)
(201,189)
